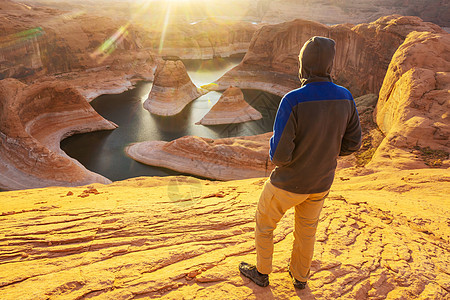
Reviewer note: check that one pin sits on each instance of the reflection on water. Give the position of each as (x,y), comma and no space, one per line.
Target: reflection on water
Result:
(206,71)
(103,151)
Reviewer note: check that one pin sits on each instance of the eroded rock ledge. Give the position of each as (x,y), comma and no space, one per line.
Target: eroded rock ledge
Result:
(33,121)
(380,236)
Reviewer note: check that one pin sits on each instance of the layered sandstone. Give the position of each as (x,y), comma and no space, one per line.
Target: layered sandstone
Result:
(363,54)
(222,159)
(414,103)
(172,89)
(33,121)
(93,53)
(381,236)
(68,45)
(231,108)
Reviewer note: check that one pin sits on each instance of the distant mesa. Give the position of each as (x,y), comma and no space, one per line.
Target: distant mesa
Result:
(231,108)
(172,88)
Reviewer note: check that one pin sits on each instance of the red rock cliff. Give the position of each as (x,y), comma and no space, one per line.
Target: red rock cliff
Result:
(363,53)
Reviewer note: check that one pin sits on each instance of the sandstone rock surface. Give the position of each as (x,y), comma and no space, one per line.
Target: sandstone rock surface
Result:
(223,159)
(33,120)
(382,236)
(414,103)
(172,89)
(363,54)
(231,108)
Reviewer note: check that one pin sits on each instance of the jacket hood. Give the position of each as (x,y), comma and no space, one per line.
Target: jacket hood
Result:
(316,60)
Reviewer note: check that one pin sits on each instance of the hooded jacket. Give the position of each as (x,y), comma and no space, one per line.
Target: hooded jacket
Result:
(314,125)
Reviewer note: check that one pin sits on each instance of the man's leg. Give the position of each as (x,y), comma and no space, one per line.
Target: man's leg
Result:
(307,216)
(272,205)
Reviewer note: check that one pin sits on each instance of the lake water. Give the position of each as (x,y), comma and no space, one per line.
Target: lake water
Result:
(103,151)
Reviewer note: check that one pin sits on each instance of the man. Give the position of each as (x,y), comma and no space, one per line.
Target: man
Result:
(314,125)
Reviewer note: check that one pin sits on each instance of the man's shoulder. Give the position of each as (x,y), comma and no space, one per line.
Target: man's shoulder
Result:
(319,91)
(343,91)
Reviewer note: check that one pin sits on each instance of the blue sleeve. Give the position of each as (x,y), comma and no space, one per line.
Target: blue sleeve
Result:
(351,142)
(282,142)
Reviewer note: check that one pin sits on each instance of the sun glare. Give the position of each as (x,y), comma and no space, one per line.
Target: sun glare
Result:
(169,19)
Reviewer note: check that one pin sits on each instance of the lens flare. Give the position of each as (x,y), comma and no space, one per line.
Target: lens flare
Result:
(16,38)
(164,31)
(111,43)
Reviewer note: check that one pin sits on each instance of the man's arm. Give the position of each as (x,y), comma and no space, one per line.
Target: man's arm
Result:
(282,142)
(351,141)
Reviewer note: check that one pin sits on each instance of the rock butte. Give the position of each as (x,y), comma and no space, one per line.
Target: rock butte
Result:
(231,108)
(172,89)
(33,121)
(222,159)
(363,53)
(381,236)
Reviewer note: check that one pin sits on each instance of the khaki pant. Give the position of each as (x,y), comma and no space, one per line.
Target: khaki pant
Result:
(272,205)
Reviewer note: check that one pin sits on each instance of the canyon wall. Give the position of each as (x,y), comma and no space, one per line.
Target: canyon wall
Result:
(33,120)
(93,53)
(412,110)
(101,54)
(48,41)
(363,54)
